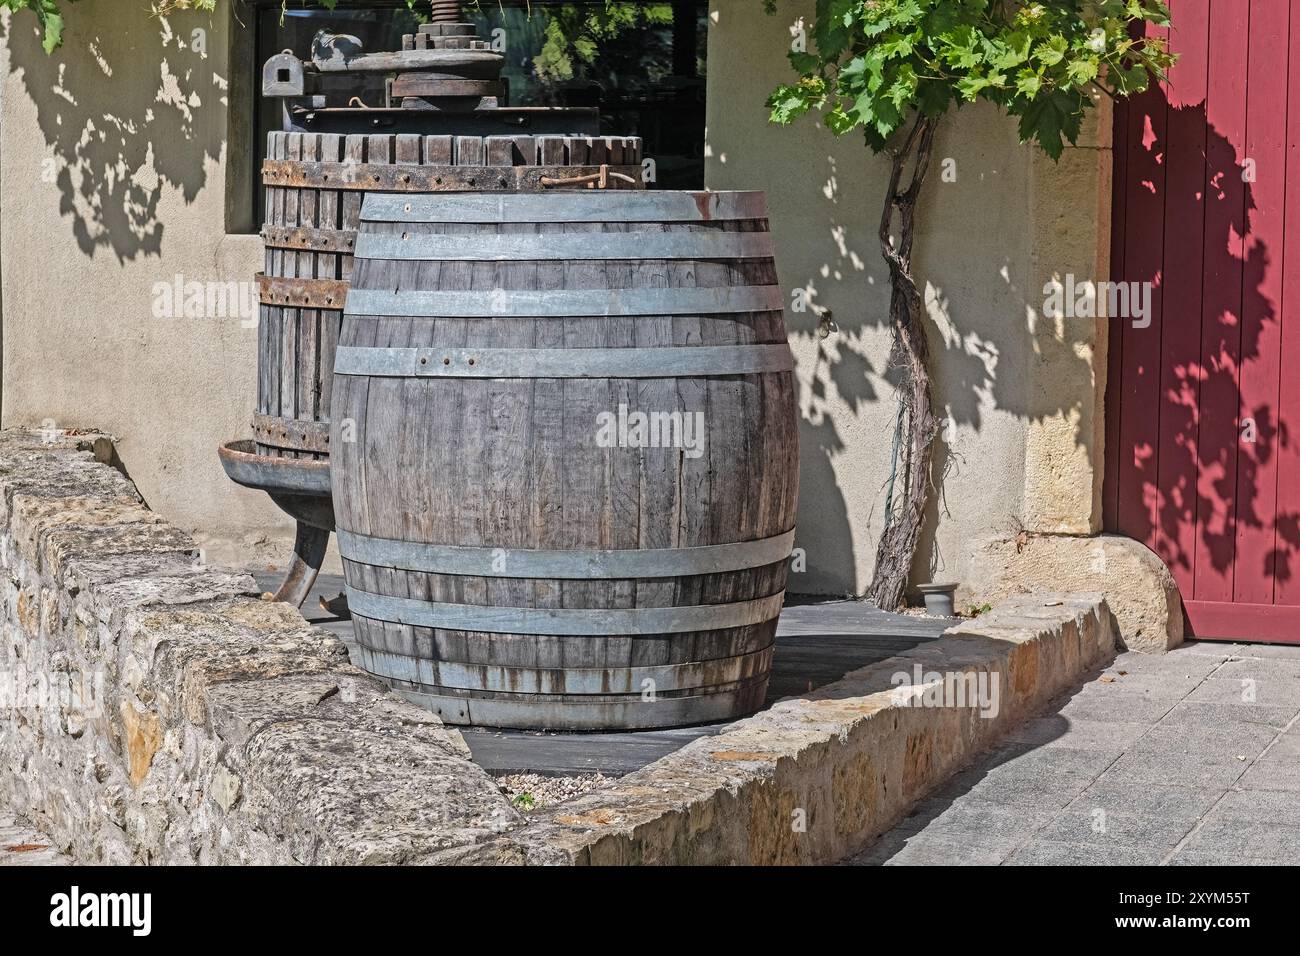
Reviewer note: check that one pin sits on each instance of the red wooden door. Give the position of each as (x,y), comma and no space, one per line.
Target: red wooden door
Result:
(1203,404)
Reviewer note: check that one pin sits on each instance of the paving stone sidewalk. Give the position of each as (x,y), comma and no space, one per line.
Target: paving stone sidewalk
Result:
(1186,759)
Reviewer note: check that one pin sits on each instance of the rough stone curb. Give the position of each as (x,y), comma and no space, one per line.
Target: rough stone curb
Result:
(154,710)
(223,729)
(815,779)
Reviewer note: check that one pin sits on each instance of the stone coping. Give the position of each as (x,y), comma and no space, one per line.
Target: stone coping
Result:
(815,779)
(161,712)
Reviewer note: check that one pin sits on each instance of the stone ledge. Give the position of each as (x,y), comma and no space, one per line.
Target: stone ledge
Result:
(815,779)
(181,719)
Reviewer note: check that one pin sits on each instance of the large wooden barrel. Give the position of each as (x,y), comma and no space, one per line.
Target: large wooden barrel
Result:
(521,549)
(315,183)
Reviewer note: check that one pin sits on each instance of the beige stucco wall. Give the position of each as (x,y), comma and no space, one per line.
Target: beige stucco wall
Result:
(113,177)
(113,153)
(1022,393)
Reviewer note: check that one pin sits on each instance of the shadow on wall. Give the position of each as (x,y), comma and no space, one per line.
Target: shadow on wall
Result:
(988,337)
(130,108)
(1198,433)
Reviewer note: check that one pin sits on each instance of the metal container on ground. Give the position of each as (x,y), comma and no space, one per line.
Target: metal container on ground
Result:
(568,492)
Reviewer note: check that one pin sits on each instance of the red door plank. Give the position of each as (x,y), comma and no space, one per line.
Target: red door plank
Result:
(1180,333)
(1139,384)
(1286,540)
(1261,307)
(1220,621)
(1216,451)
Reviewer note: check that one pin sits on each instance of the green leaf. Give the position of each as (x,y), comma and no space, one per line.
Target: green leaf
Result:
(787,103)
(907,11)
(1156,12)
(1053,51)
(855,67)
(53,23)
(875,142)
(1082,71)
(1128,80)
(960,47)
(1028,83)
(1040,122)
(1022,44)
(1052,119)
(863,108)
(839,122)
(897,47)
(1070,105)
(971,86)
(875,20)
(803,62)
(830,32)
(1011,52)
(903,87)
(887,118)
(933,97)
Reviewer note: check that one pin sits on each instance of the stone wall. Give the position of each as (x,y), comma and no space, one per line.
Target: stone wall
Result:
(153,710)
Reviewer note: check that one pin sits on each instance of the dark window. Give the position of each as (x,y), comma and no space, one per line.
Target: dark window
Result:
(642,64)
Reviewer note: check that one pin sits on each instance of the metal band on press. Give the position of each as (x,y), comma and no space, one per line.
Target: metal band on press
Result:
(506,303)
(293,293)
(309,239)
(573,621)
(293,433)
(685,361)
(565,246)
(536,563)
(444,180)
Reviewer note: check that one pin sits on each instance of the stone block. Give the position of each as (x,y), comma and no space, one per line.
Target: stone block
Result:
(1137,586)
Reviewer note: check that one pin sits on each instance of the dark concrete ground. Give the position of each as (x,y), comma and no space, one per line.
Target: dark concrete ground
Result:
(1185,759)
(818,642)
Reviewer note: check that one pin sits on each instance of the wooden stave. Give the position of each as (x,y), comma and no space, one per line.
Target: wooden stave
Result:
(556,715)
